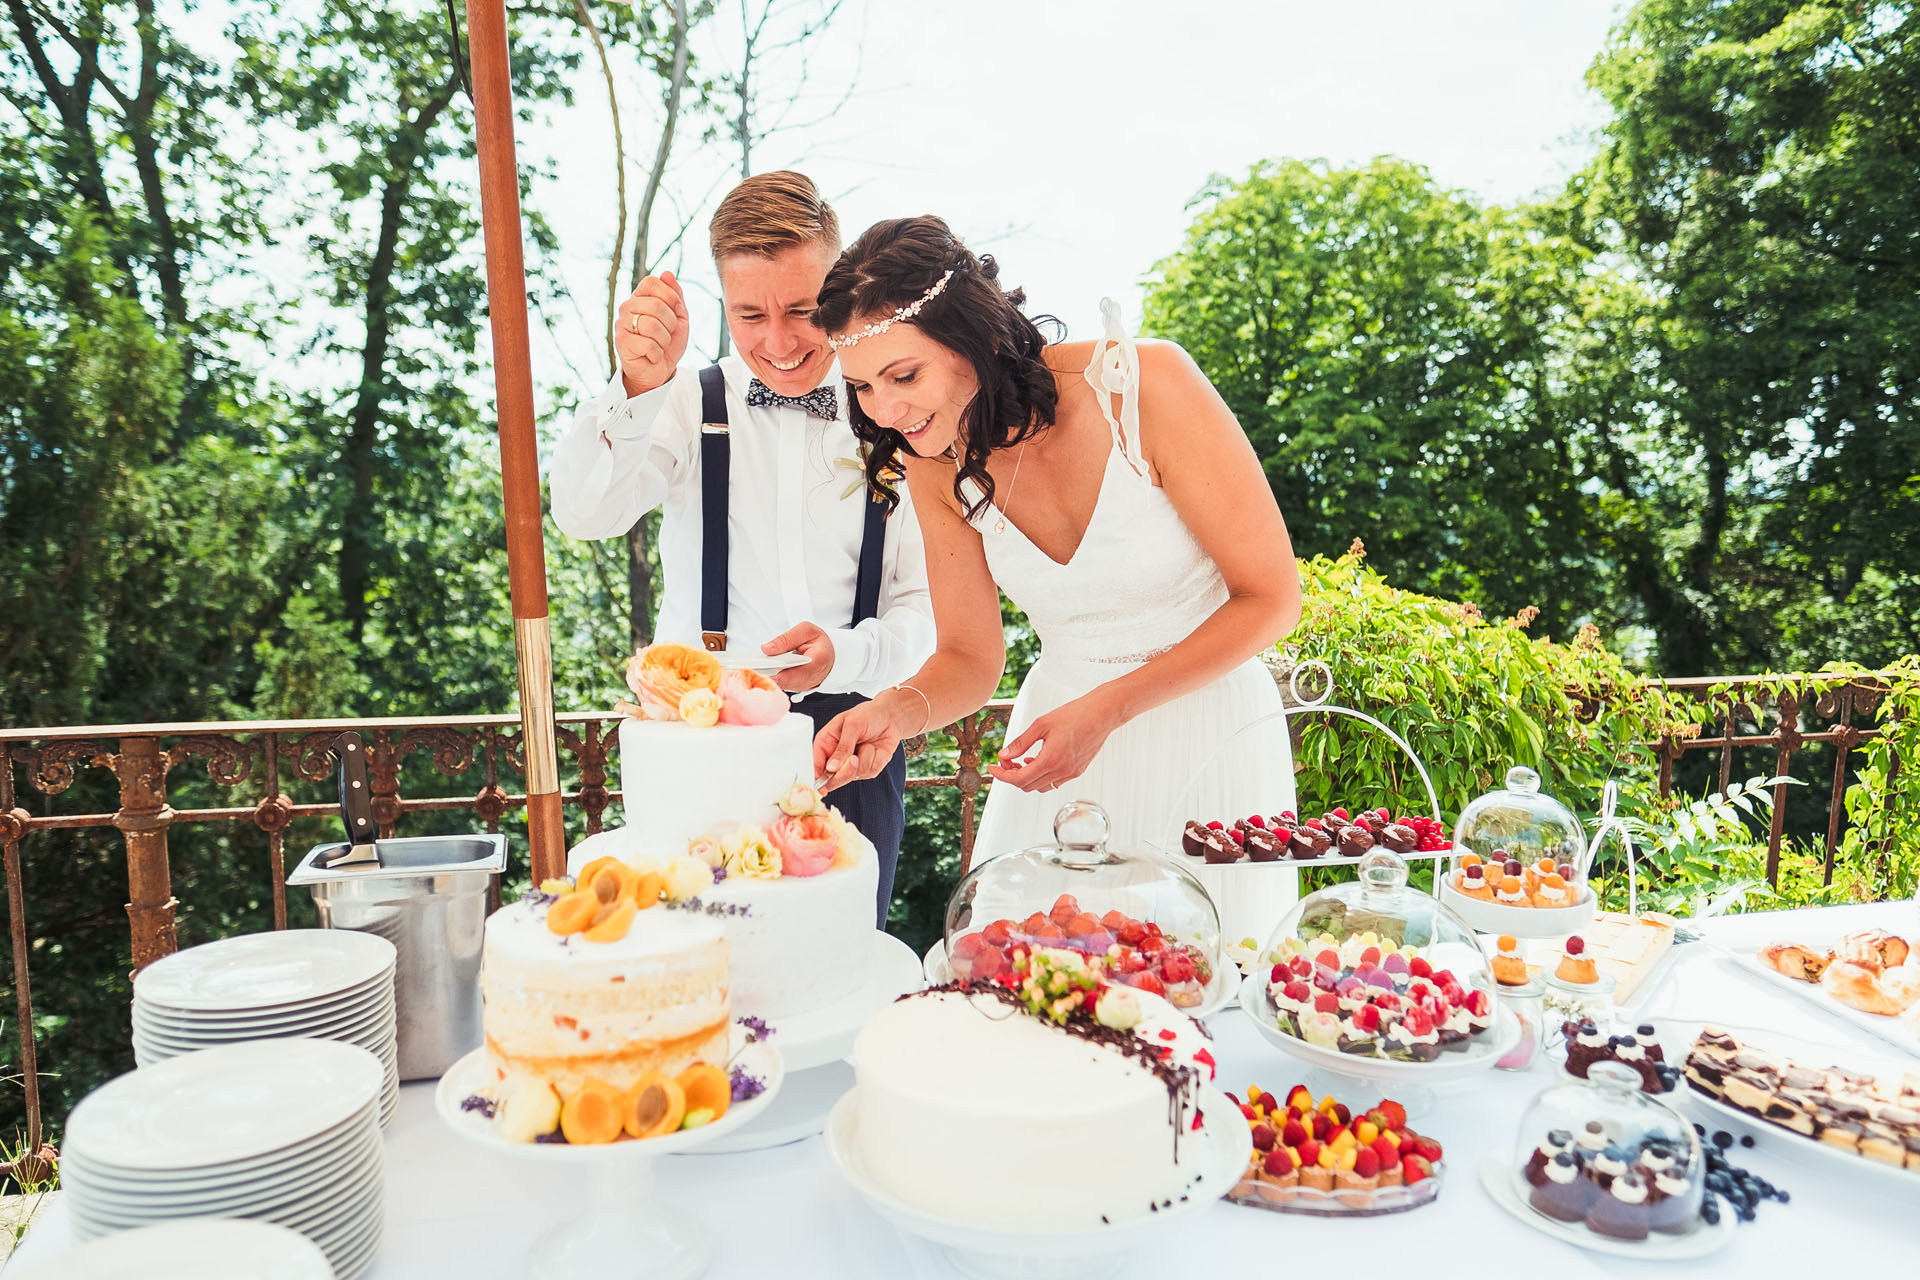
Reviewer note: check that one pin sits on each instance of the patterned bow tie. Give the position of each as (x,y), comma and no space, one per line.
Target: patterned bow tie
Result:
(820,402)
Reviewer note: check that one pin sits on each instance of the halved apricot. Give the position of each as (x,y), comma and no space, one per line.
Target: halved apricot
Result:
(647,890)
(706,1089)
(655,1105)
(594,1114)
(573,913)
(612,921)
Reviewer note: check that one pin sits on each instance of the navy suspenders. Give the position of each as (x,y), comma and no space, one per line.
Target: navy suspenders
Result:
(716,466)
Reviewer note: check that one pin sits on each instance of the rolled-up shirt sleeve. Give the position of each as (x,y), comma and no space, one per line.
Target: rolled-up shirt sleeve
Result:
(891,646)
(622,455)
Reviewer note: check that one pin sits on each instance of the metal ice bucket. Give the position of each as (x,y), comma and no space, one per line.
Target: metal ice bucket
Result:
(427,895)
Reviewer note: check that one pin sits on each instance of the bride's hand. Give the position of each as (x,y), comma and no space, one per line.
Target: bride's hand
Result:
(1069,736)
(857,743)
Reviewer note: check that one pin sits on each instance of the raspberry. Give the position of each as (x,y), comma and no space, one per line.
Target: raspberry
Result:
(997,934)
(1300,967)
(1328,1003)
(968,945)
(1283,835)
(1419,967)
(1257,821)
(1370,956)
(1263,1138)
(1387,1002)
(1216,826)
(1290,815)
(1297,991)
(1316,824)
(1367,1018)
(1386,814)
(1239,837)
(1328,959)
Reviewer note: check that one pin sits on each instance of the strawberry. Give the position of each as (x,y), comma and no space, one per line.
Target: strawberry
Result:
(1263,1138)
(1133,933)
(1176,967)
(1278,1163)
(1367,1018)
(1153,930)
(1252,1114)
(1323,1127)
(1301,967)
(1032,922)
(1081,925)
(1427,1147)
(1419,992)
(1293,1133)
(1065,908)
(1115,920)
(1479,1003)
(1387,1002)
(1371,956)
(1384,1148)
(1132,962)
(1419,967)
(1394,1112)
(1328,960)
(989,961)
(968,945)
(1326,1002)
(1418,1021)
(1049,931)
(1366,1164)
(1308,1151)
(1444,978)
(1415,1168)
(1150,982)
(1153,943)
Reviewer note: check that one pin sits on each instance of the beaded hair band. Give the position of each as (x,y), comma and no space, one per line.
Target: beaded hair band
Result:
(907,312)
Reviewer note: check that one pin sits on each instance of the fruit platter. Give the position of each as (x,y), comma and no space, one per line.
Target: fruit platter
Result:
(1323,1160)
(1334,837)
(1138,953)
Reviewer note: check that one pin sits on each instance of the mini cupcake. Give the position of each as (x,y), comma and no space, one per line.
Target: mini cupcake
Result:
(1591,1140)
(1553,892)
(1609,1163)
(1509,969)
(1471,882)
(1562,1194)
(1552,1145)
(1621,1211)
(1669,1208)
(1576,967)
(1586,1045)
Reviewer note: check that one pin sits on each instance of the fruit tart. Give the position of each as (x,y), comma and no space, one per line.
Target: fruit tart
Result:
(1324,1159)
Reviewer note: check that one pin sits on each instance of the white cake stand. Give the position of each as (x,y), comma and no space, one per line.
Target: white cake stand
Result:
(1521,922)
(1349,1075)
(624,1233)
(1063,1253)
(1221,993)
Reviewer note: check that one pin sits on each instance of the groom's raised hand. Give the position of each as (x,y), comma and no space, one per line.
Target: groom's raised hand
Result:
(650,333)
(811,643)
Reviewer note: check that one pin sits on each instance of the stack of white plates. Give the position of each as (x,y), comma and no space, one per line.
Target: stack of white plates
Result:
(320,984)
(279,1131)
(198,1249)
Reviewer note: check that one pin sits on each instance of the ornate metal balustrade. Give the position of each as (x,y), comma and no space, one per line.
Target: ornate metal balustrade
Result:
(260,761)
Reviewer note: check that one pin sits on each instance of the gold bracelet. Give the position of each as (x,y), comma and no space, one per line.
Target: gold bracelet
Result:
(928,724)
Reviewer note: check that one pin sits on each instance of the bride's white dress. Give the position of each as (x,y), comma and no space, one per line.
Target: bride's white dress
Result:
(1138,584)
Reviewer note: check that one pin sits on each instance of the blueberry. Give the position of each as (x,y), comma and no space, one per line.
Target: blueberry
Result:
(1745,1214)
(1746,1139)
(1710,1211)
(1781,1195)
(1700,1129)
(1722,1139)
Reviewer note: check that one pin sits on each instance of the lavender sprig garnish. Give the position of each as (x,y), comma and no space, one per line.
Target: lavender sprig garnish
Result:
(757,1028)
(539,898)
(709,908)
(555,1136)
(719,873)
(474,1102)
(745,1084)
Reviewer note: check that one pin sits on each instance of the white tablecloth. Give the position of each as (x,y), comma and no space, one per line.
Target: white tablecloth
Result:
(454,1211)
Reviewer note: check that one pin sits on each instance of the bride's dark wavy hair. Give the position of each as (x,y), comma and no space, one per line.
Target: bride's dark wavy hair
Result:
(892,265)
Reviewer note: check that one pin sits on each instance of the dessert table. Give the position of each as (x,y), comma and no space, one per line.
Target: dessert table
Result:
(454,1211)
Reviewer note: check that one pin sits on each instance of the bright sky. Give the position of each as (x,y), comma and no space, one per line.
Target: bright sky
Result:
(1066,137)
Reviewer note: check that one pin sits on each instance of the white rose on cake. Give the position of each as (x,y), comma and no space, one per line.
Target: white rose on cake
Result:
(708,850)
(850,845)
(751,854)
(800,801)
(687,877)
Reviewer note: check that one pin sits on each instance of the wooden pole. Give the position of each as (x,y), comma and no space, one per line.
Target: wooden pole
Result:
(519,458)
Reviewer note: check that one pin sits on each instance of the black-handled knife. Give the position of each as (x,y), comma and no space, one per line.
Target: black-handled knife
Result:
(356,803)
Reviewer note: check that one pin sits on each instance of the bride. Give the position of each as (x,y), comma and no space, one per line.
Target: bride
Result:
(1108,490)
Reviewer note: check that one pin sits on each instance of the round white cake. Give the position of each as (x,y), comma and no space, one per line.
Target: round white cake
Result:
(959,1091)
(798,942)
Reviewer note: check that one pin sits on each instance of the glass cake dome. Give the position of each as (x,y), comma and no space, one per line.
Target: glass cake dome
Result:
(1151,919)
(1599,1154)
(1373,969)
(1518,851)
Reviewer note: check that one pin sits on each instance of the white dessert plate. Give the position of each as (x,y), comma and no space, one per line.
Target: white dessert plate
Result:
(823,1035)
(374,1024)
(1503,1035)
(1218,994)
(754,660)
(1521,922)
(325,1169)
(372,998)
(1704,1239)
(196,1249)
(311,1150)
(266,971)
(1716,1114)
(998,1252)
(472,1075)
(1893,1030)
(223,1104)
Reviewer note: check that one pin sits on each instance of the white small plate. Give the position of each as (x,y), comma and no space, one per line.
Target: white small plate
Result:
(313,1150)
(266,971)
(371,997)
(1476,1058)
(368,1029)
(1521,922)
(1704,1239)
(196,1249)
(302,1176)
(473,1074)
(766,663)
(230,1103)
(983,1251)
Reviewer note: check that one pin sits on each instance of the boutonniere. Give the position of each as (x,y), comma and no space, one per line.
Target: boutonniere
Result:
(858,466)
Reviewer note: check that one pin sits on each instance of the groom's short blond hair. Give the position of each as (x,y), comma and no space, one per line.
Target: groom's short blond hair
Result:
(770,212)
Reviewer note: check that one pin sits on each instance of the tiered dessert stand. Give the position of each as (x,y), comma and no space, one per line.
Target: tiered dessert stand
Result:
(813,1045)
(1067,1252)
(623,1233)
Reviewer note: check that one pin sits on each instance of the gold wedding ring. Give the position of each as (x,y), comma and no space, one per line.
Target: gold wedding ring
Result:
(633,322)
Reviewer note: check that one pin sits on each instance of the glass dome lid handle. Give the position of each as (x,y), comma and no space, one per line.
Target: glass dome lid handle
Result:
(1382,871)
(1523,780)
(1615,1076)
(1082,827)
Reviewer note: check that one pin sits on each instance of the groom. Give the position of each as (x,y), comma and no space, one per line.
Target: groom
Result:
(767,540)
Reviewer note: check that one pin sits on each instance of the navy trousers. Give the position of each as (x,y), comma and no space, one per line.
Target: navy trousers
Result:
(876,805)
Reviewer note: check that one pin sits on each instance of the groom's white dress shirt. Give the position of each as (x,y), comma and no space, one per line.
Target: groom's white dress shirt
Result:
(794,529)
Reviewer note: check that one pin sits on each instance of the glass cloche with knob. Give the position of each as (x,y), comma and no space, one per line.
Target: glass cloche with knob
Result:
(1375,970)
(1149,920)
(1602,1156)
(1520,862)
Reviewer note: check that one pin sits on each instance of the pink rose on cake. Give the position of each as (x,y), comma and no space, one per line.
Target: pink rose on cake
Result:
(807,844)
(750,698)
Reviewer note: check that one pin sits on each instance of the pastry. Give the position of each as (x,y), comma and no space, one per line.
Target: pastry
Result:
(1586,1045)
(1471,882)
(1279,1176)
(1670,1209)
(1308,842)
(1627,948)
(1562,1193)
(1354,841)
(1901,984)
(1220,847)
(1399,837)
(1509,970)
(1802,964)
(1553,891)
(1552,1145)
(1621,1211)
(1266,846)
(1511,892)
(1874,949)
(1858,986)
(1576,967)
(1538,872)
(1193,838)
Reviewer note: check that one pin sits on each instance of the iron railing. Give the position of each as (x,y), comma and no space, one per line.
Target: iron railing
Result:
(264,757)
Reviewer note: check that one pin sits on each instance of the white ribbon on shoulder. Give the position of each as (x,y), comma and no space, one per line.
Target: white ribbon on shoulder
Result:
(1115,371)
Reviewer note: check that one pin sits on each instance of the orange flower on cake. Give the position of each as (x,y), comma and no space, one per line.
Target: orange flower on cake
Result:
(661,675)
(807,844)
(750,698)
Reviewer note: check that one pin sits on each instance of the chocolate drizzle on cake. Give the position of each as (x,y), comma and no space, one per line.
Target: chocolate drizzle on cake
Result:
(1179,1080)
